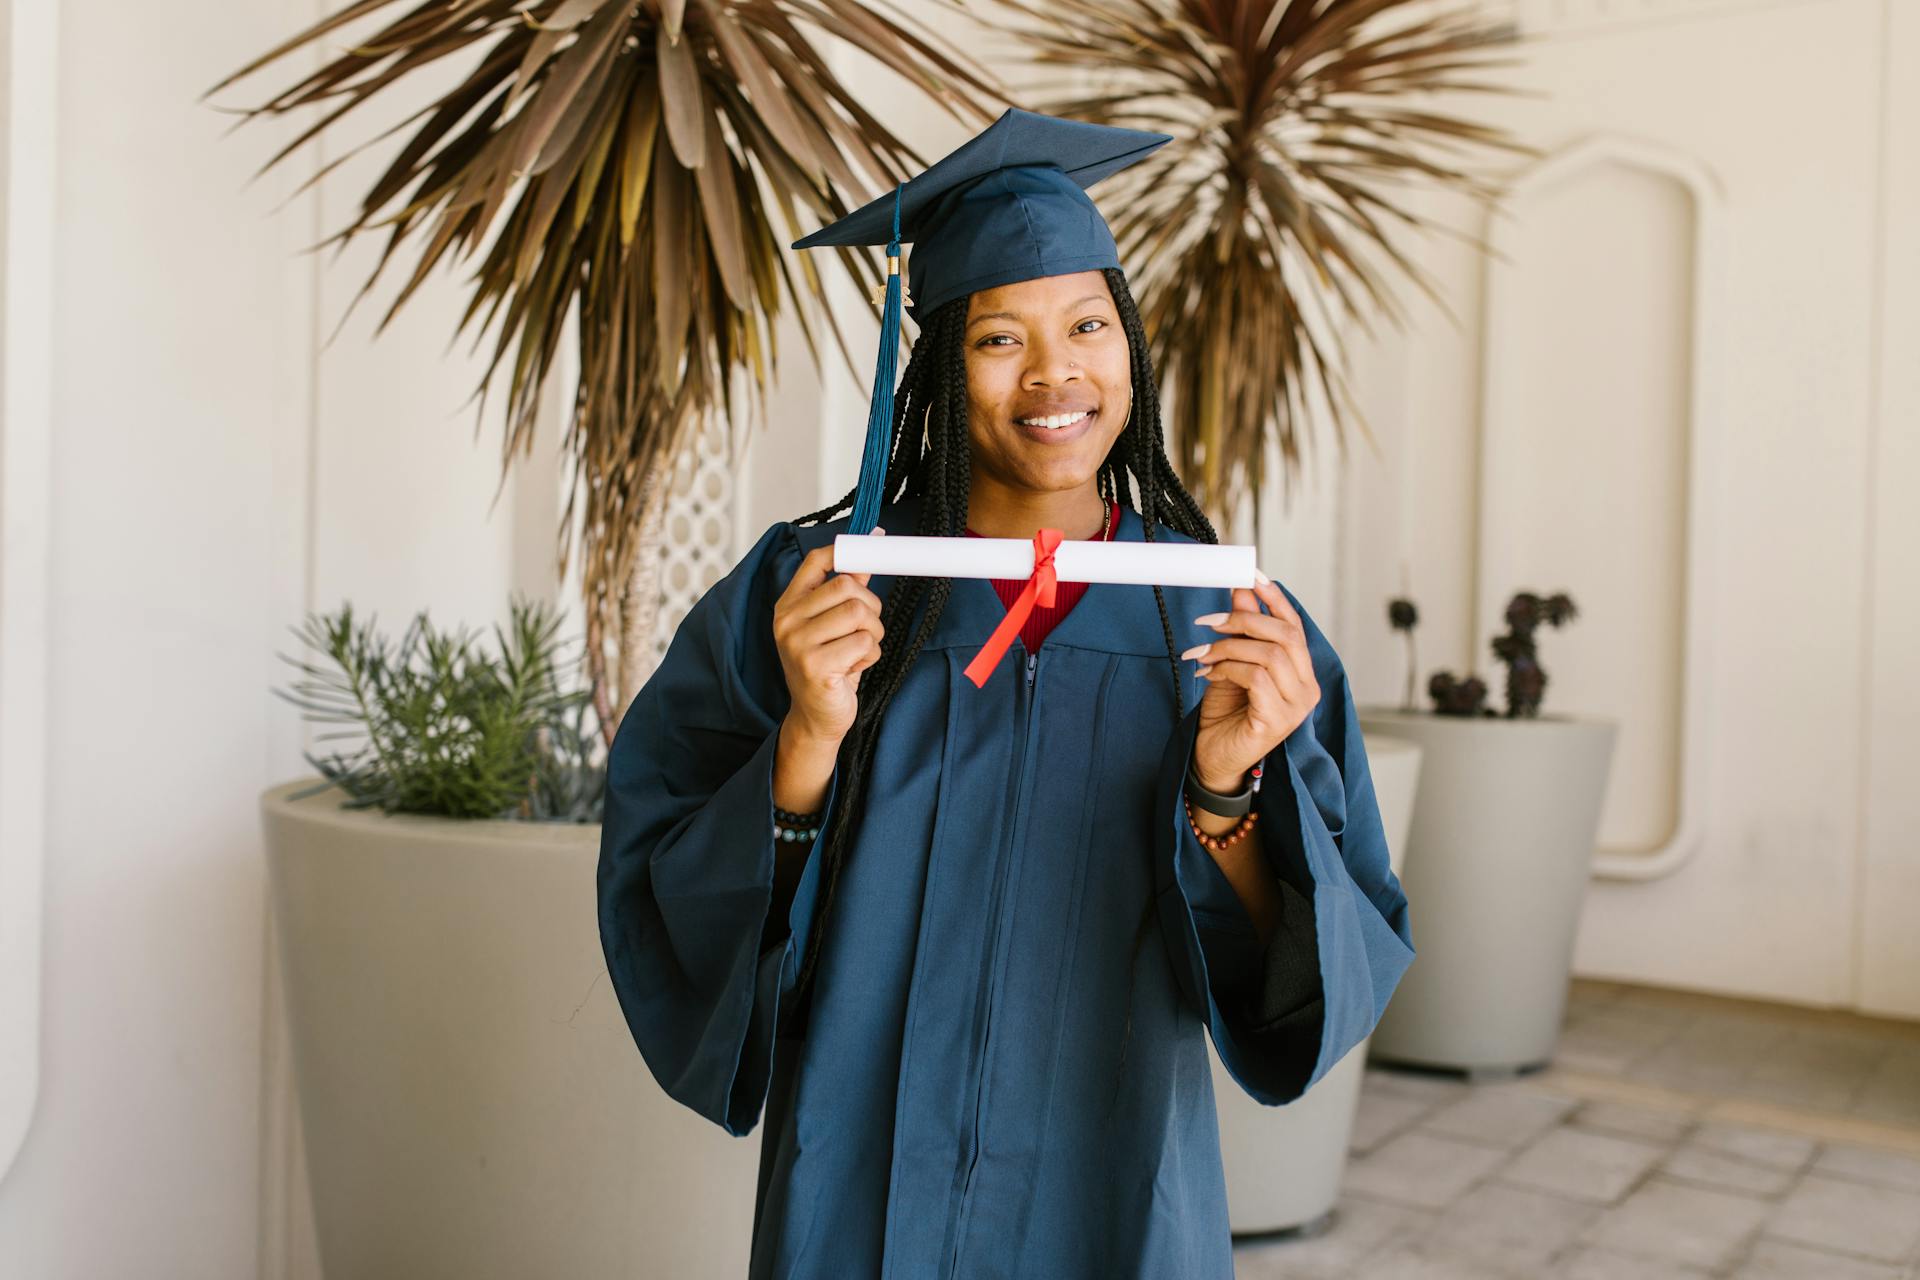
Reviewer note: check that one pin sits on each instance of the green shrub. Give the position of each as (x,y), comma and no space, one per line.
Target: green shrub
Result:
(433,725)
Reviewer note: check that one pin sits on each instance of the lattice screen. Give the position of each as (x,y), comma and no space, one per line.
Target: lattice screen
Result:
(696,543)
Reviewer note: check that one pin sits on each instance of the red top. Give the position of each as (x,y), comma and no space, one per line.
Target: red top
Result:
(1065,594)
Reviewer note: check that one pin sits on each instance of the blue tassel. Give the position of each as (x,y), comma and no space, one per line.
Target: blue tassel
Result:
(873,460)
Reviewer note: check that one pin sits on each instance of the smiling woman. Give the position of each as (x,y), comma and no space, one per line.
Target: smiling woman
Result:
(914,915)
(1045,359)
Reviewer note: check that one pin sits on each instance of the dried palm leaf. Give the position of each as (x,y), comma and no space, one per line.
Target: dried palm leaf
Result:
(1263,227)
(646,162)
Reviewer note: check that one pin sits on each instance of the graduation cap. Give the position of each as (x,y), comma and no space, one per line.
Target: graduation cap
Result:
(1008,204)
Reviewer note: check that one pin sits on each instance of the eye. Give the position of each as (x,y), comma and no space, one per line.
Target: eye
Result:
(989,340)
(1089,320)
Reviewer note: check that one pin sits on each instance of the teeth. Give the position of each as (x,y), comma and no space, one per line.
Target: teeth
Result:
(1054,421)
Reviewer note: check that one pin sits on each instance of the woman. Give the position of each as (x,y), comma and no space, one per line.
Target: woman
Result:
(964,942)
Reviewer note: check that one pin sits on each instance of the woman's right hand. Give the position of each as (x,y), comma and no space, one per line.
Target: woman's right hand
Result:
(827,629)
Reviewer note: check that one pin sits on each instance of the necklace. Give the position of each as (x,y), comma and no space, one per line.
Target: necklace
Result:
(1106,523)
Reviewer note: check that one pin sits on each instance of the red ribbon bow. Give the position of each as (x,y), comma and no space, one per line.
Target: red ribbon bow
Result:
(1040,587)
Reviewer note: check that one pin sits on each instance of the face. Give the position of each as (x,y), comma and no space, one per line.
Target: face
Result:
(1048,380)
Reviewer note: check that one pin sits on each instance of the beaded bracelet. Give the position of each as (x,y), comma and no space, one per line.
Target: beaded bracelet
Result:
(788,825)
(1227,838)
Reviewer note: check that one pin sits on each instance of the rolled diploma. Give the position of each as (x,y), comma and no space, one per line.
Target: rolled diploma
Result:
(1165,564)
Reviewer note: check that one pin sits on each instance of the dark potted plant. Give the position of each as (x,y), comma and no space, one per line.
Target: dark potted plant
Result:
(1503,833)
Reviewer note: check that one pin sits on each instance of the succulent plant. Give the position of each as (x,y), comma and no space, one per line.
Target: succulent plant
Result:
(1453,697)
(1526,680)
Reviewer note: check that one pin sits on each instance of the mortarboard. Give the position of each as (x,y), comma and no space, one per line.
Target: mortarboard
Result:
(1009,204)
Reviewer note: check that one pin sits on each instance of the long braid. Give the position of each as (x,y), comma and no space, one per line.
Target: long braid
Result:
(935,462)
(933,387)
(1162,499)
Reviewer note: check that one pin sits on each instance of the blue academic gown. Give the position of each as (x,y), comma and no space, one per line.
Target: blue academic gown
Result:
(958,1105)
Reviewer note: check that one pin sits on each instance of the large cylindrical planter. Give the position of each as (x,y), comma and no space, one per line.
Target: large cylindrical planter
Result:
(473,1104)
(1499,855)
(1284,1164)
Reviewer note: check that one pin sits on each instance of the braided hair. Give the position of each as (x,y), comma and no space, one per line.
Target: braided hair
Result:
(935,465)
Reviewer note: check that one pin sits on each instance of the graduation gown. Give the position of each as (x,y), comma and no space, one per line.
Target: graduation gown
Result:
(956,1104)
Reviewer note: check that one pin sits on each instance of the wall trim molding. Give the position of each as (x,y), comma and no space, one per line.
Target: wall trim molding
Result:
(1548,18)
(28,172)
(1502,418)
(287,1244)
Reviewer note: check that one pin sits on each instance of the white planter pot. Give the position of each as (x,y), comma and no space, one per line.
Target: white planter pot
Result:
(472,1101)
(1284,1164)
(1502,841)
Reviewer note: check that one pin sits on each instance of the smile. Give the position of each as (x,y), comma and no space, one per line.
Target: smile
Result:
(1056,421)
(1058,428)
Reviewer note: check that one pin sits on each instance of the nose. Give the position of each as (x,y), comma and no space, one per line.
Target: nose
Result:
(1050,363)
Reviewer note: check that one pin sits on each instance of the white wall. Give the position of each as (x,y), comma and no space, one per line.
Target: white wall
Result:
(1804,870)
(213,475)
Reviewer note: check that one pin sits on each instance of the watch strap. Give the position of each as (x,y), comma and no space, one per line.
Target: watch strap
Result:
(1226,806)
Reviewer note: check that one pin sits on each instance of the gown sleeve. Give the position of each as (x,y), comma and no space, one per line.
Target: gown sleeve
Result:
(686,870)
(1283,1016)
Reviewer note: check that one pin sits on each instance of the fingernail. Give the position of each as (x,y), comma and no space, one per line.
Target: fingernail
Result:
(1210,620)
(1205,670)
(1195,652)
(1261,578)
(878,529)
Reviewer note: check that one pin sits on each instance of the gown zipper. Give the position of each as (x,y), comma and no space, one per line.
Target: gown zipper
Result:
(992,956)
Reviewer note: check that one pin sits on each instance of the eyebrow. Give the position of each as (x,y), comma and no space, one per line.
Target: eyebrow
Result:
(1012,315)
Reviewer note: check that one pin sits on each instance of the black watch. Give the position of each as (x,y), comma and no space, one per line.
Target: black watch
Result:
(1232,806)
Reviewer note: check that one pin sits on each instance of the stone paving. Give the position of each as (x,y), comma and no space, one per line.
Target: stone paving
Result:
(1675,1136)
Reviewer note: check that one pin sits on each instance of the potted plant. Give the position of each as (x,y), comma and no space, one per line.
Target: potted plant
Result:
(1503,832)
(470,1097)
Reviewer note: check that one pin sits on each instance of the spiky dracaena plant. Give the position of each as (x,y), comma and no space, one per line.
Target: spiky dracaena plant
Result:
(1263,225)
(638,151)
(436,725)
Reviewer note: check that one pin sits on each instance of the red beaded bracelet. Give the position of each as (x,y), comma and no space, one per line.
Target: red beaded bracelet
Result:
(1229,837)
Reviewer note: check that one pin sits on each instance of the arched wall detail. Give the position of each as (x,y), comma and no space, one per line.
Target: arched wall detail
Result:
(1596,463)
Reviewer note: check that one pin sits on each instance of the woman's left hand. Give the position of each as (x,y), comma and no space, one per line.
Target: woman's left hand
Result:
(1260,687)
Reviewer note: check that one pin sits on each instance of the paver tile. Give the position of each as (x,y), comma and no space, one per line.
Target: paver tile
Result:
(1586,1166)
(1869,1164)
(1762,1146)
(1503,1115)
(1693,1225)
(1424,1170)
(1511,1227)
(1703,1165)
(1778,1260)
(1882,1223)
